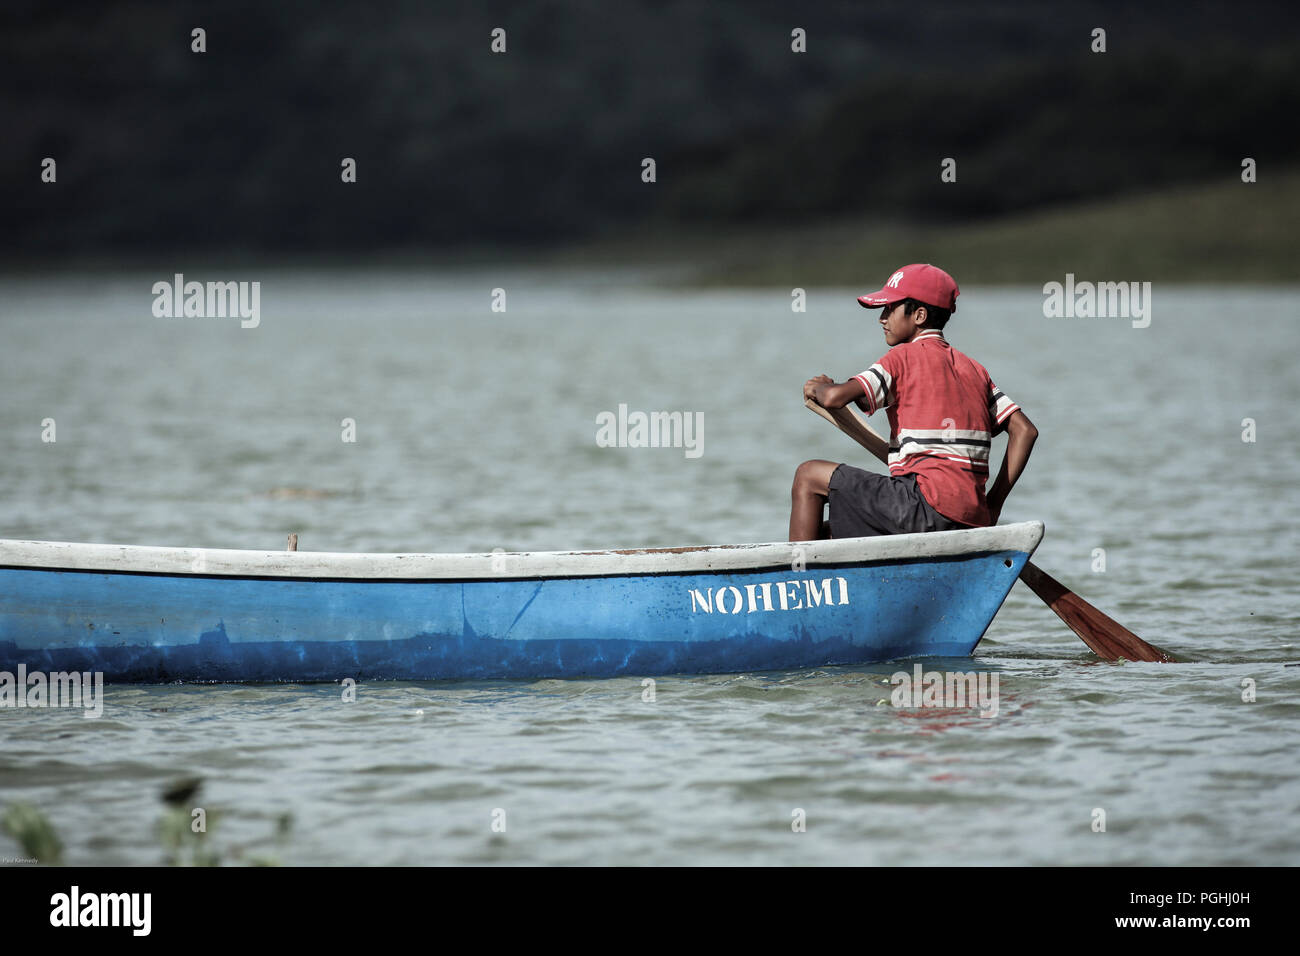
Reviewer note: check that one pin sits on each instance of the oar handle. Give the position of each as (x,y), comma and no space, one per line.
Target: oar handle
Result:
(847,421)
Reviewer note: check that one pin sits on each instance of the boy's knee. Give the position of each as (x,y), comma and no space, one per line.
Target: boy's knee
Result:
(811,477)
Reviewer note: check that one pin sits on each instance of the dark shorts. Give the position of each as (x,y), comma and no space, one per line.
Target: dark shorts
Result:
(864,503)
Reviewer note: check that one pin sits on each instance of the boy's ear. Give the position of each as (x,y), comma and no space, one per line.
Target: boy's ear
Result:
(921,314)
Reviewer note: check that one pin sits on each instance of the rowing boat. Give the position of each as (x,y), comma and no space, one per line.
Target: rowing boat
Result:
(155,615)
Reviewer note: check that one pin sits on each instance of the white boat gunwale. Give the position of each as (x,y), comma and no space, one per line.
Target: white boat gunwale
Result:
(511,565)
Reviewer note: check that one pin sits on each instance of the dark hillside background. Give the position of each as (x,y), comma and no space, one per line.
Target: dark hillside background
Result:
(238,149)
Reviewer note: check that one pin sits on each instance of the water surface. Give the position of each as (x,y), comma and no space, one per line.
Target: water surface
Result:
(477,430)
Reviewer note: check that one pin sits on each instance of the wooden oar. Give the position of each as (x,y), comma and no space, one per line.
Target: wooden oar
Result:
(1107,638)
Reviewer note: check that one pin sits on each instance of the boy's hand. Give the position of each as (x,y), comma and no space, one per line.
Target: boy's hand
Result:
(810,386)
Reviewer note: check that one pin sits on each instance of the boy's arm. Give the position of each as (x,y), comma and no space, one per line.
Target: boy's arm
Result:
(825,392)
(1021,435)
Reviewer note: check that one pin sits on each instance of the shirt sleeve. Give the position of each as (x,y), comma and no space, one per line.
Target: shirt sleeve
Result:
(878,383)
(1000,408)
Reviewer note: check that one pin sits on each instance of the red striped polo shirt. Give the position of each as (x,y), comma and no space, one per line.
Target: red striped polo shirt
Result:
(943,413)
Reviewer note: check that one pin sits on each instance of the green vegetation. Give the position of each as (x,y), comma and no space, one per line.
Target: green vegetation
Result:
(34,833)
(183,830)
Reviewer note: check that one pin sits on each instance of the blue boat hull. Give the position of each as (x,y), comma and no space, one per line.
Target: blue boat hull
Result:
(160,627)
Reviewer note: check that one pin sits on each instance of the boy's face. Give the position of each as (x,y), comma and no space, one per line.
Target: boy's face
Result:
(898,326)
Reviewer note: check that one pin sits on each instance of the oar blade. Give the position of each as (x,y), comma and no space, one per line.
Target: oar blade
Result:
(1107,638)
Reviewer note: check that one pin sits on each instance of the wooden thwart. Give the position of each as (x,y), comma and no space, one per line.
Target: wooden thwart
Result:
(1107,638)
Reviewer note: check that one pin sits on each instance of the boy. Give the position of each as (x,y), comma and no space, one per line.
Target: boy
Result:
(943,413)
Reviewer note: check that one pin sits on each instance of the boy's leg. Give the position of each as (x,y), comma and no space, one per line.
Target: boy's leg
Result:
(808,494)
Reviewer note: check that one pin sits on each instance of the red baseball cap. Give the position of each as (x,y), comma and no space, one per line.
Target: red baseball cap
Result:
(920,281)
